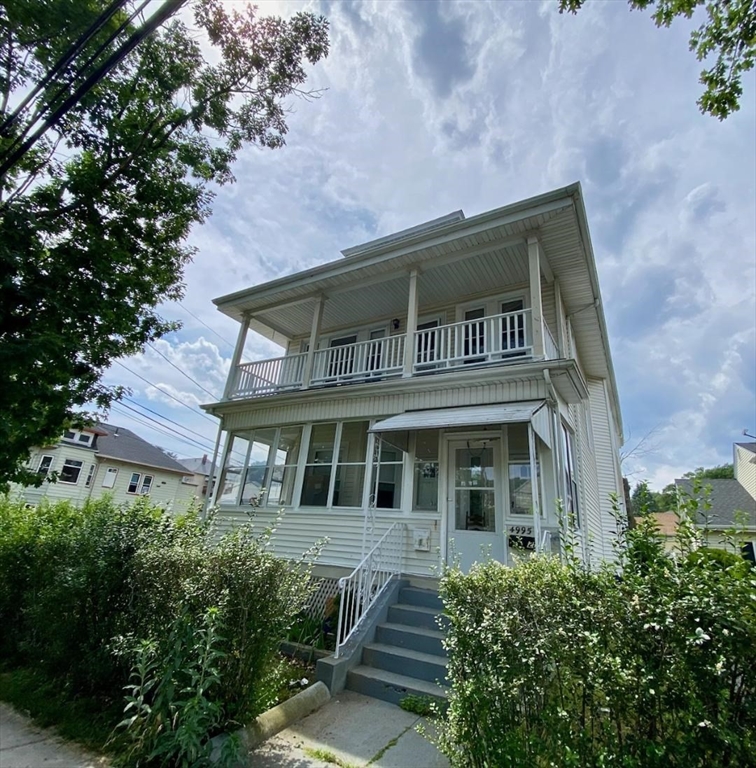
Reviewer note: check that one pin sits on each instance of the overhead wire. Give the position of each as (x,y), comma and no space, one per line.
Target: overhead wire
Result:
(189,311)
(182,372)
(167,393)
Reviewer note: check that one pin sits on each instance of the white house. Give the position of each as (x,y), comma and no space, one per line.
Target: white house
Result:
(452,380)
(108,459)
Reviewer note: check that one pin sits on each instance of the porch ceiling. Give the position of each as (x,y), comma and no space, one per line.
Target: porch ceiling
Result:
(362,302)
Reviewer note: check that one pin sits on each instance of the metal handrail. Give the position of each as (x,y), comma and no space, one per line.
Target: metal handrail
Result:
(365,584)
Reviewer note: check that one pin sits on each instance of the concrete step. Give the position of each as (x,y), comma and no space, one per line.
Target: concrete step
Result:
(414,638)
(424,597)
(403,661)
(413,616)
(391,687)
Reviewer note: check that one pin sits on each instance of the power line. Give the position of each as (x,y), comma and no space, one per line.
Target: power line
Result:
(165,392)
(159,429)
(166,418)
(183,373)
(189,311)
(163,426)
(163,13)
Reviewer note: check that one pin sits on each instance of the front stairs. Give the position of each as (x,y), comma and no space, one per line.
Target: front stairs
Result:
(407,657)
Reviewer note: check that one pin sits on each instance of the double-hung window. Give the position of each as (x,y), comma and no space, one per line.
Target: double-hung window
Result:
(133,486)
(388,493)
(520,481)
(317,472)
(71,471)
(350,468)
(45,465)
(139,483)
(284,470)
(146,486)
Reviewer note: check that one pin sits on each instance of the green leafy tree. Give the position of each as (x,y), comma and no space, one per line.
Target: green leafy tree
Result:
(644,499)
(720,472)
(94,219)
(727,39)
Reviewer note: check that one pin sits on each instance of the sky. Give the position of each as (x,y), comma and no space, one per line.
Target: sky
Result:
(426,108)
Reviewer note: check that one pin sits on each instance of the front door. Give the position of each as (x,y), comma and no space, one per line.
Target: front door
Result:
(474,501)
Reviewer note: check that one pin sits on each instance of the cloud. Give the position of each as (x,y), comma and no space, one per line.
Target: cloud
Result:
(431,107)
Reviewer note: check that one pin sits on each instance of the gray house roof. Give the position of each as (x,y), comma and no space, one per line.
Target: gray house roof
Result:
(748,446)
(122,444)
(727,497)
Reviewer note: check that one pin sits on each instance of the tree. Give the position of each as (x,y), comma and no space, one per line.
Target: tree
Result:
(94,219)
(644,499)
(728,36)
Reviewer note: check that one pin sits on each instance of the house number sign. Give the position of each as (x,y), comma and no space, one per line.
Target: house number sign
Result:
(521,537)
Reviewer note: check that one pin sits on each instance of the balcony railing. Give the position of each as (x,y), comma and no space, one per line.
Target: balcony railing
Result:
(484,340)
(377,358)
(496,339)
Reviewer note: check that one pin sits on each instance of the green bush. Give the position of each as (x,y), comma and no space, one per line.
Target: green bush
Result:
(648,663)
(85,592)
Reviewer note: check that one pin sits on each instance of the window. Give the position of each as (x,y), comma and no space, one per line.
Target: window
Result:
(90,475)
(283,473)
(70,472)
(146,485)
(513,327)
(110,477)
(77,436)
(520,485)
(134,482)
(571,506)
(748,550)
(256,467)
(317,473)
(85,437)
(475,335)
(232,473)
(426,342)
(425,494)
(388,494)
(341,357)
(350,469)
(69,435)
(45,465)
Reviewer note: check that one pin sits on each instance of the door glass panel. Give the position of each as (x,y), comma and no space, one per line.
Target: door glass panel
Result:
(475,333)
(474,495)
(474,468)
(512,326)
(475,510)
(341,359)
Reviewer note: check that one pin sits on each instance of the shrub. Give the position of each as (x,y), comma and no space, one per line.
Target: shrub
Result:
(96,595)
(555,665)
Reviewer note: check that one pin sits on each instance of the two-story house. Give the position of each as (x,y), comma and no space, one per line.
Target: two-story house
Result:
(107,459)
(454,378)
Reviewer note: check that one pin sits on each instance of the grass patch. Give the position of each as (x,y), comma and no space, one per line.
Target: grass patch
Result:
(86,721)
(418,705)
(327,757)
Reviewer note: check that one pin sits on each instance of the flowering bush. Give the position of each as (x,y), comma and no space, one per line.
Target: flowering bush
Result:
(649,662)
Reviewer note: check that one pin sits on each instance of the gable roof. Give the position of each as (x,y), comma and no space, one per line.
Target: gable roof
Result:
(726,498)
(748,446)
(122,444)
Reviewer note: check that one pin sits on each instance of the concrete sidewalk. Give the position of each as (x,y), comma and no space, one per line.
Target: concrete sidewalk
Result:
(351,730)
(24,745)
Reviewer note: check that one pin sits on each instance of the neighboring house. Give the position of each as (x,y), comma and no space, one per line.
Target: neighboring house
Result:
(200,470)
(732,502)
(108,459)
(454,378)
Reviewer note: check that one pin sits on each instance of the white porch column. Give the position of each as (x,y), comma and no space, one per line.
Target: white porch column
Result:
(536,308)
(236,359)
(211,483)
(534,489)
(409,341)
(317,318)
(221,468)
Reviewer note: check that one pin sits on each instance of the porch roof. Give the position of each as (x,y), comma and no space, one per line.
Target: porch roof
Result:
(467,416)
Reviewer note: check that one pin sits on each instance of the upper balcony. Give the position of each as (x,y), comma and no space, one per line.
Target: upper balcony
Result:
(505,289)
(497,339)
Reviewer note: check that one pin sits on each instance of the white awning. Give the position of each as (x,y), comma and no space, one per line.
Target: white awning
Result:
(468,416)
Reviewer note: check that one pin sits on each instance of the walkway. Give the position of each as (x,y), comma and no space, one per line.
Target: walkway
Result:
(351,731)
(24,745)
